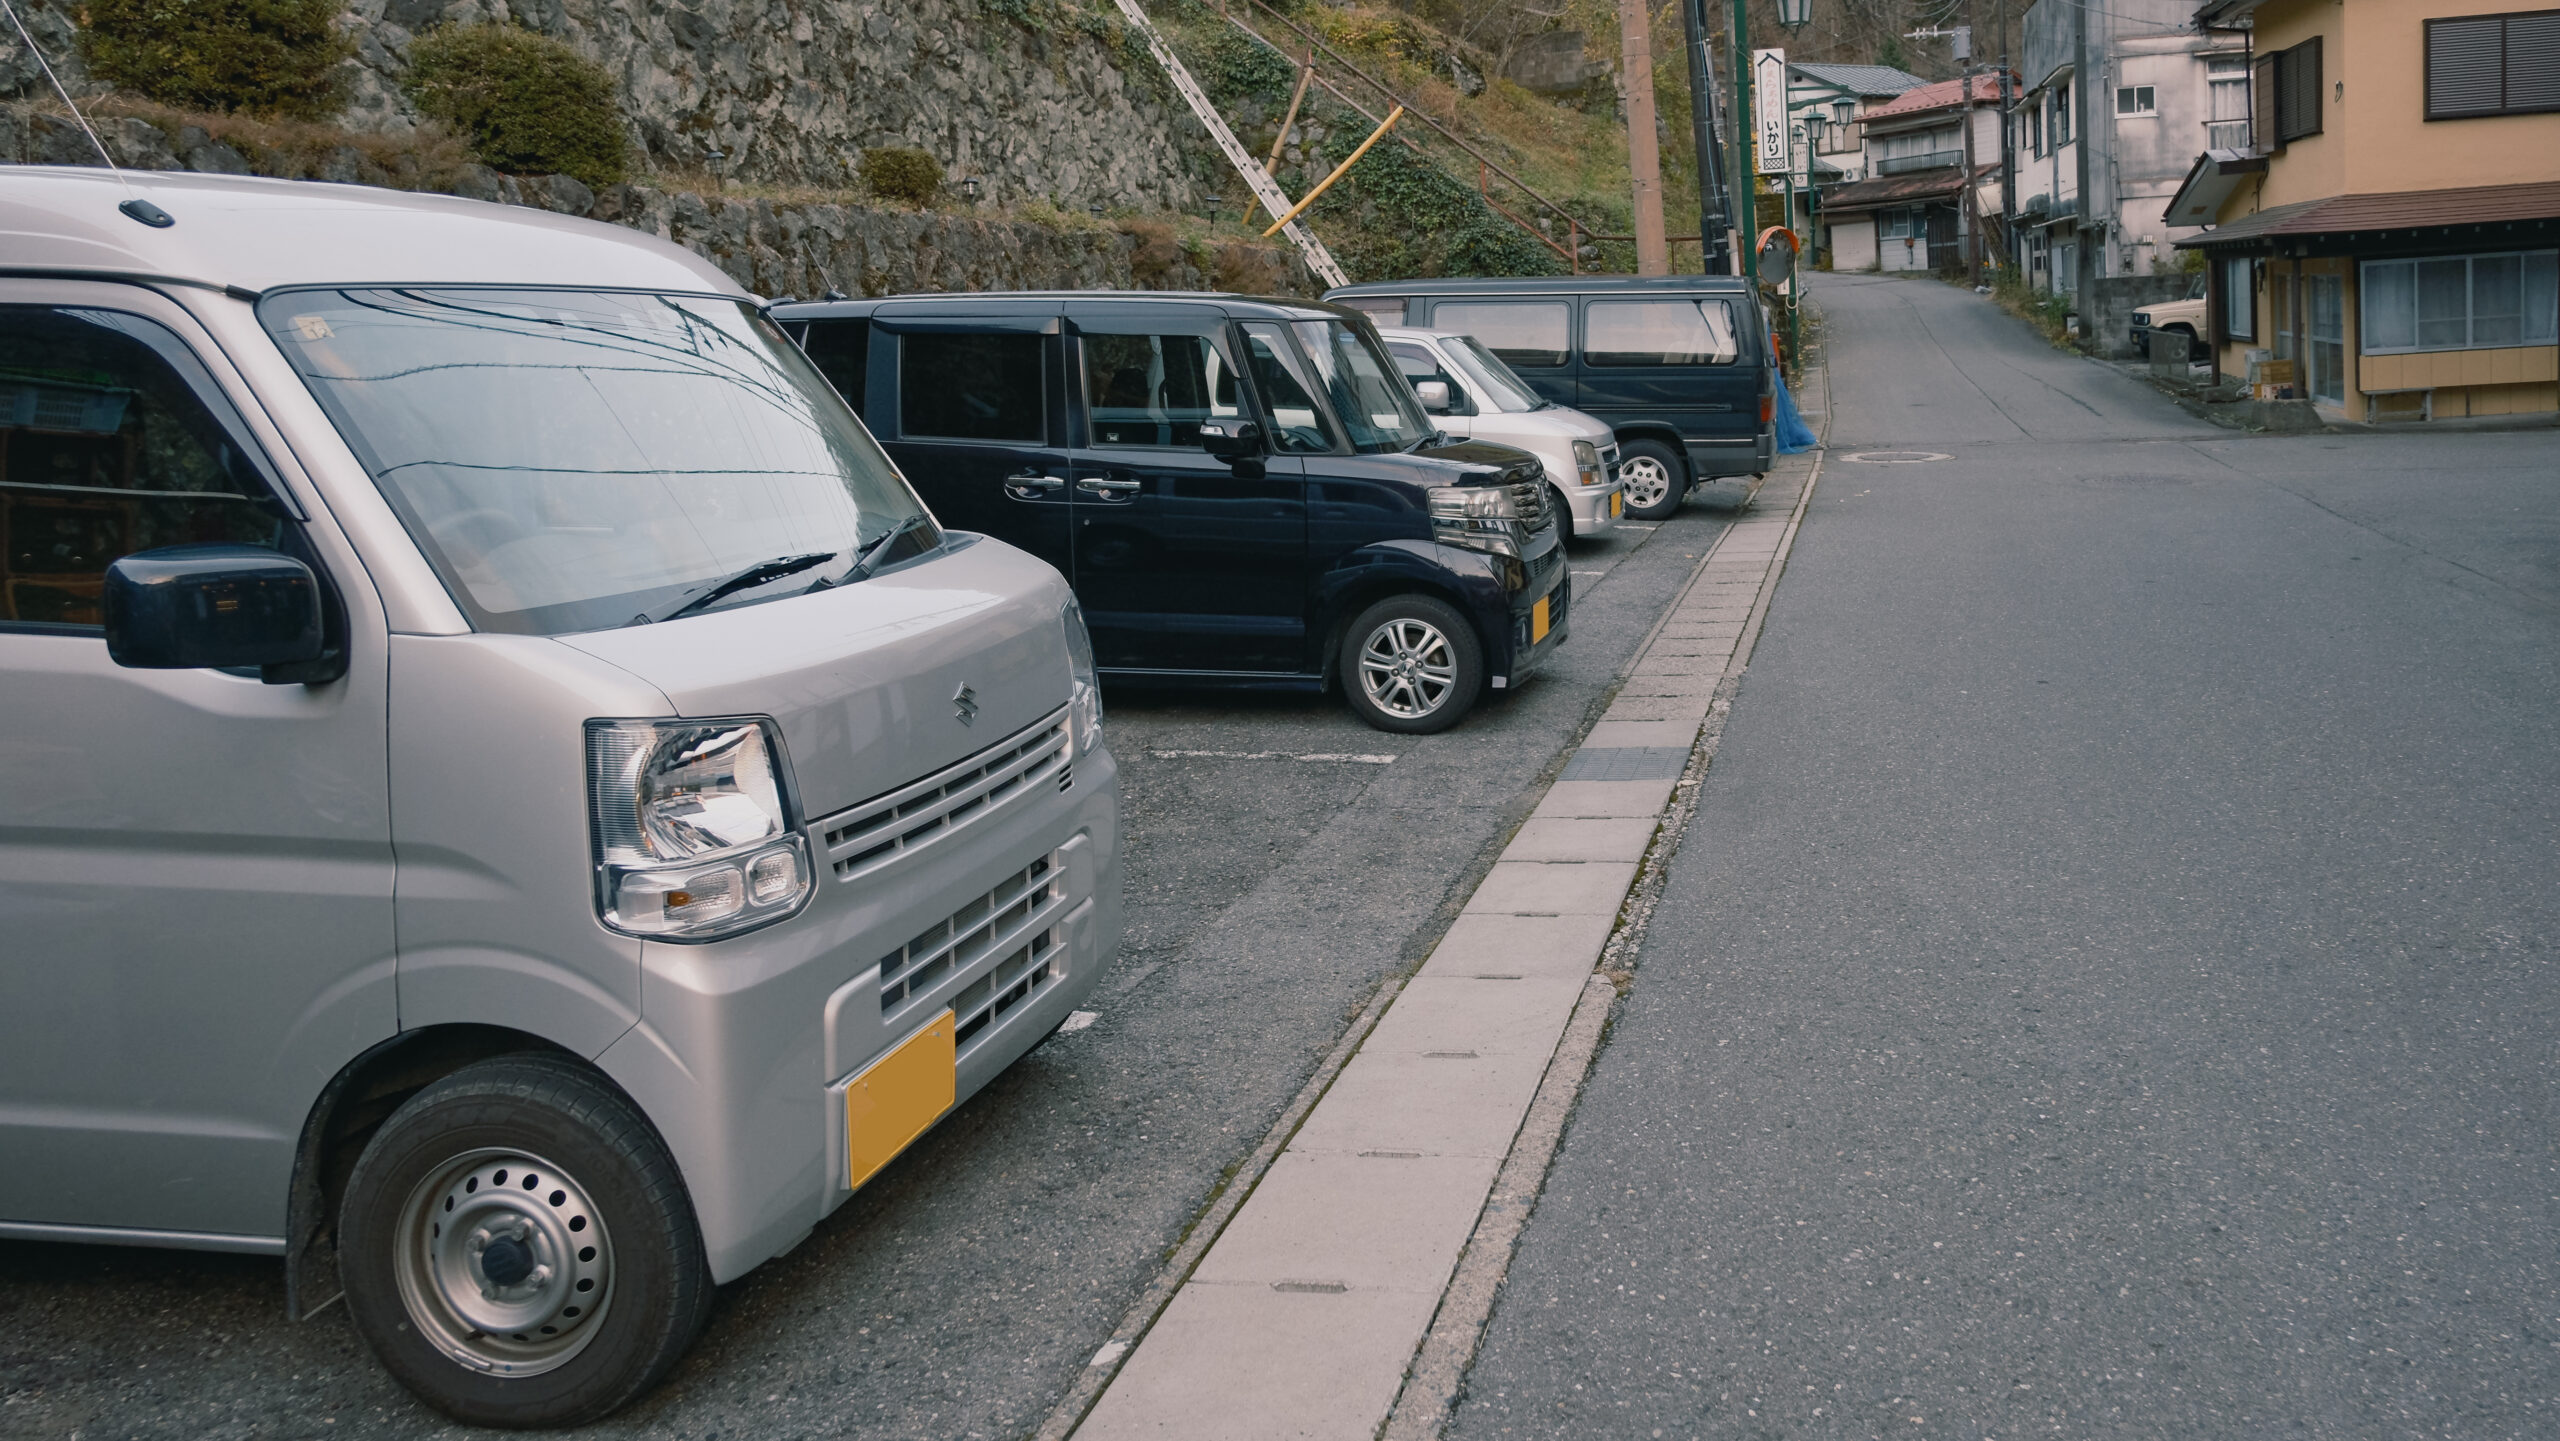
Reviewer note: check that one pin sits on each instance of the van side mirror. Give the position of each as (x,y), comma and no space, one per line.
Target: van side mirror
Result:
(190,607)
(1231,440)
(1434,395)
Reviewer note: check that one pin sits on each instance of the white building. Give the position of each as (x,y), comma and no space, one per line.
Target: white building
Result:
(2118,102)
(1920,152)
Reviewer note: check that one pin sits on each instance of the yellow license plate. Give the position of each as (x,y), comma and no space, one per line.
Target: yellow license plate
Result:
(897,1096)
(1617,504)
(1538,621)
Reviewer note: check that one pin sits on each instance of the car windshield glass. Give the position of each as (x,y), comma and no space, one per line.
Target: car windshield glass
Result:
(1372,400)
(569,460)
(1502,387)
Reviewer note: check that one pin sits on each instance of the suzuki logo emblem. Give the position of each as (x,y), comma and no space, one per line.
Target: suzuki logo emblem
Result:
(964,704)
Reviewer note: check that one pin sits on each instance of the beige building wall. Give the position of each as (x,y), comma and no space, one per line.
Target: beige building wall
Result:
(2375,137)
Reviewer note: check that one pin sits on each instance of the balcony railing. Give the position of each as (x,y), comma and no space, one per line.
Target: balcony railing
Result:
(2227,135)
(1932,160)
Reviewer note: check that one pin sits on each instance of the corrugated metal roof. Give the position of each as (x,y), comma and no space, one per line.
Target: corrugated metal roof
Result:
(2343,215)
(1900,189)
(1940,95)
(1861,79)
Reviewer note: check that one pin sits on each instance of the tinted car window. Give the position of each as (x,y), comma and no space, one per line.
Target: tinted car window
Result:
(1523,332)
(841,349)
(1154,389)
(108,446)
(1368,398)
(971,387)
(1297,421)
(1658,332)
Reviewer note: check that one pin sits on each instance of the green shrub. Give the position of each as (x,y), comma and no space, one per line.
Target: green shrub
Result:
(528,104)
(896,172)
(267,57)
(1417,219)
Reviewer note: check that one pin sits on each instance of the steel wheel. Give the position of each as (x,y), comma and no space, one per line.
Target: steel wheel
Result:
(1408,668)
(1647,479)
(503,1263)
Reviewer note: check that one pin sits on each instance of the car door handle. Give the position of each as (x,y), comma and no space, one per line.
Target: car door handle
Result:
(1032,485)
(1109,488)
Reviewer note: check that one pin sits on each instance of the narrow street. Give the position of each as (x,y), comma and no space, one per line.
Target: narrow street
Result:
(2107,987)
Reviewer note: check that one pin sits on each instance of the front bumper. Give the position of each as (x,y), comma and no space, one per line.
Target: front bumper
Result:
(1596,509)
(1549,581)
(745,1046)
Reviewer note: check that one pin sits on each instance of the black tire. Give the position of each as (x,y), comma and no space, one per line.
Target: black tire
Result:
(1563,512)
(1673,478)
(1422,699)
(607,1217)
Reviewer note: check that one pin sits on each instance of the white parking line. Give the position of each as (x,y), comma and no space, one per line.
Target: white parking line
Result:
(1329,757)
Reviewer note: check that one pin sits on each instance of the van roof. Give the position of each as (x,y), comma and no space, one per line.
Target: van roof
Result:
(1240,307)
(258,234)
(1544,285)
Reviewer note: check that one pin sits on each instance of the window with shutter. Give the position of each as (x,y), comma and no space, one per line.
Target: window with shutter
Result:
(2493,65)
(2263,76)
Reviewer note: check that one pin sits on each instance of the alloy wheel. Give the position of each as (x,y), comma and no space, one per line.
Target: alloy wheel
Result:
(1647,481)
(1408,668)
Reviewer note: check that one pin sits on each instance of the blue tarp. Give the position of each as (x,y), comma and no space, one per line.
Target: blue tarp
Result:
(1794,436)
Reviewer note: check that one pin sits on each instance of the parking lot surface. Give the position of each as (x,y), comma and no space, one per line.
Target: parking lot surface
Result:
(1283,860)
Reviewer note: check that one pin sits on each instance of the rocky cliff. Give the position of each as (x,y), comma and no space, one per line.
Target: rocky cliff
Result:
(1040,99)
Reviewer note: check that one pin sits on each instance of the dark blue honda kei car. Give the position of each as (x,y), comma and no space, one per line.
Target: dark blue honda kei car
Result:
(1242,491)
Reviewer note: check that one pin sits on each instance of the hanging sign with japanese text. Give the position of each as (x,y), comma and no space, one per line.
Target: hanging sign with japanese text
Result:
(1769,111)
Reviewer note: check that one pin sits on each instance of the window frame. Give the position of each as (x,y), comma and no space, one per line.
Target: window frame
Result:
(2146,100)
(2505,19)
(2277,112)
(2470,316)
(187,362)
(2240,301)
(1565,357)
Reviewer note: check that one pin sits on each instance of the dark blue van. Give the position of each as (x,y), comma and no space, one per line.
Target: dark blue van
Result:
(1677,365)
(1243,492)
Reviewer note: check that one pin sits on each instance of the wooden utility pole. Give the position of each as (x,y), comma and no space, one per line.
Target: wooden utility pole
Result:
(1644,148)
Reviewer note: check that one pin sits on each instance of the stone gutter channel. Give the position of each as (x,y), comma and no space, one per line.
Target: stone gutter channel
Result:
(1338,1288)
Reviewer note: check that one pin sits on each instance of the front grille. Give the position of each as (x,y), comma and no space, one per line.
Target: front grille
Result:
(1529,498)
(1016,922)
(871,835)
(1609,461)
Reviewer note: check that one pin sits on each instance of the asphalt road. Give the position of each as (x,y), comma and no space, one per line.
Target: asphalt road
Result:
(962,1292)
(2108,987)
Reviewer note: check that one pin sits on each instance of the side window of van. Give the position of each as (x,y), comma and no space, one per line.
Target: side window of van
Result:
(971,387)
(1418,365)
(1381,310)
(1297,421)
(112,440)
(1155,389)
(841,349)
(1659,332)
(1522,332)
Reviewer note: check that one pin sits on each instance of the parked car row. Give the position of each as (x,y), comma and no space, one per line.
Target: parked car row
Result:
(532,775)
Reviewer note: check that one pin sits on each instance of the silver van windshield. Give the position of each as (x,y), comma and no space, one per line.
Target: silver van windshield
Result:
(572,460)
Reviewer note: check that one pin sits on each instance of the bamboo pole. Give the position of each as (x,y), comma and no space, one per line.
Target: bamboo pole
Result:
(1271,166)
(1338,171)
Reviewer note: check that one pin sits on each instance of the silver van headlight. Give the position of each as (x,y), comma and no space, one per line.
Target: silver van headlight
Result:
(1084,703)
(694,835)
(1586,463)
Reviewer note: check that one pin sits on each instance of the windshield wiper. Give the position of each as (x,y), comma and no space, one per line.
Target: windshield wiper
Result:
(754,575)
(870,554)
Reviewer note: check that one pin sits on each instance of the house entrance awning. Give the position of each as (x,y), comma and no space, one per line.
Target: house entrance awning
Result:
(2405,221)
(2210,182)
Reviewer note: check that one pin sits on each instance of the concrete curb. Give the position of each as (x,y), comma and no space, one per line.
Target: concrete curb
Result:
(1340,1283)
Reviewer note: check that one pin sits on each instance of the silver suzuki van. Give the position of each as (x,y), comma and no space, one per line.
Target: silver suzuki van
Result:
(508,801)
